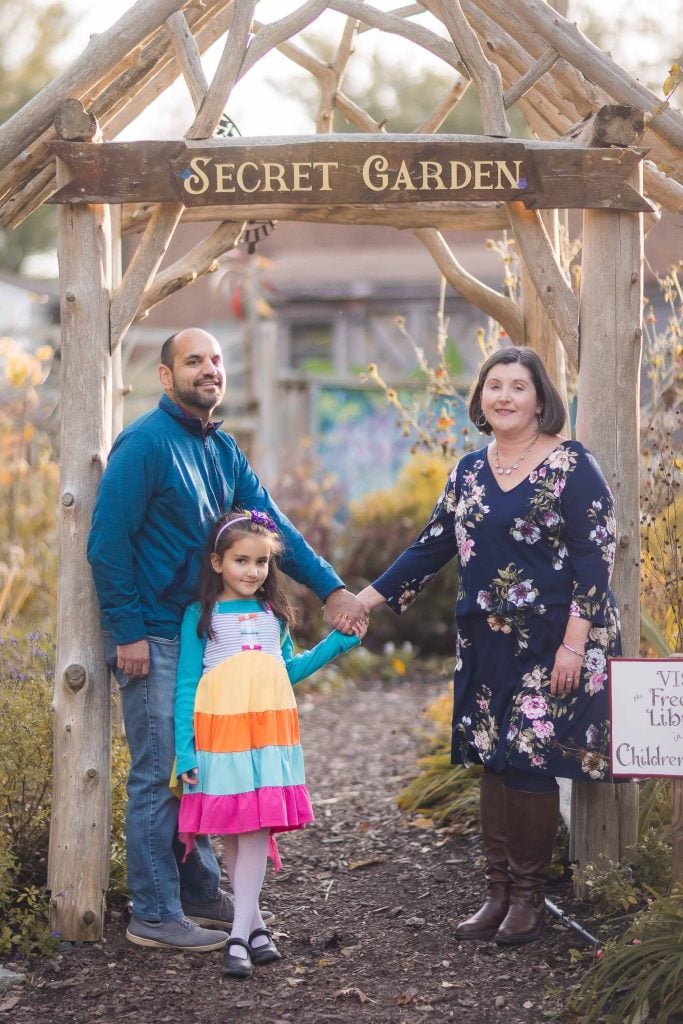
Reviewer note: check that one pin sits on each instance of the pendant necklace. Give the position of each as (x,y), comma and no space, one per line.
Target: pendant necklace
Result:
(500,470)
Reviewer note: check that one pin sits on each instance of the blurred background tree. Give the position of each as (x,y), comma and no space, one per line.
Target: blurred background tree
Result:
(30,36)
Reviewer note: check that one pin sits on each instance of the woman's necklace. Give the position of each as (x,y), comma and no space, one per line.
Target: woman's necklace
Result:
(515,465)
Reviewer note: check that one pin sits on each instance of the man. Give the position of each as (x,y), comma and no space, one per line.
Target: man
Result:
(170,474)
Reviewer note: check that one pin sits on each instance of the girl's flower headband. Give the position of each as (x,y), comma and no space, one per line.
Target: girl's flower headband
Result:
(253,516)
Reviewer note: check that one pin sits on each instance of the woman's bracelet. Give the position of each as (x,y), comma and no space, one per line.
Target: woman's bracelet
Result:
(580,654)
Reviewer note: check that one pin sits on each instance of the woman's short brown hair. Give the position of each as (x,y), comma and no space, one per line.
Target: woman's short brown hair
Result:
(552,415)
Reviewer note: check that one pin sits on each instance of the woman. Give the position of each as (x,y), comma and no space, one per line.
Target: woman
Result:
(530,518)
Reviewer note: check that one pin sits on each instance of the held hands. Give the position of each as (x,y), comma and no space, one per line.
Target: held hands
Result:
(343,611)
(190,778)
(133,659)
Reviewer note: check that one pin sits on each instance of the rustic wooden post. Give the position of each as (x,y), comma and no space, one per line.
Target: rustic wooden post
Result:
(604,817)
(78,865)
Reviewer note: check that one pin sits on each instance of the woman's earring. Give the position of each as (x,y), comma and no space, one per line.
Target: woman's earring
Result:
(540,420)
(480,421)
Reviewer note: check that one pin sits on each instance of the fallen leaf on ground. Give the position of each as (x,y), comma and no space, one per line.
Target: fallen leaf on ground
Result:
(355,864)
(407,997)
(353,993)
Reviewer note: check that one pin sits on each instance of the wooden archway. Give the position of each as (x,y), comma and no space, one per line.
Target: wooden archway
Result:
(519,51)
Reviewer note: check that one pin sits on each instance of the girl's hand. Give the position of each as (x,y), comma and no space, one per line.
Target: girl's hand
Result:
(190,778)
(566,674)
(361,628)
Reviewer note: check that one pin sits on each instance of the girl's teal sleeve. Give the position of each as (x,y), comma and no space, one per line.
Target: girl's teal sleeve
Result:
(300,666)
(190,668)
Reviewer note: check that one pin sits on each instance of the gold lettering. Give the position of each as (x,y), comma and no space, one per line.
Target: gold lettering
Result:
(432,171)
(482,170)
(325,167)
(224,182)
(376,165)
(457,166)
(199,178)
(240,177)
(403,179)
(301,173)
(504,170)
(274,172)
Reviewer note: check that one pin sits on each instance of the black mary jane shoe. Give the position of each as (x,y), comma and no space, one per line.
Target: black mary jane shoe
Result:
(266,952)
(237,966)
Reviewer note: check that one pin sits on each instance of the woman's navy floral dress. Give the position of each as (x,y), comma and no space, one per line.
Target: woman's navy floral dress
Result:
(528,558)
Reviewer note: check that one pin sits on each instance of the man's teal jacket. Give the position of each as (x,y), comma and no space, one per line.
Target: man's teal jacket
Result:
(167,481)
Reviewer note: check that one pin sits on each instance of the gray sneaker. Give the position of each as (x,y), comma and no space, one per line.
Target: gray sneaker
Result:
(177,934)
(217,913)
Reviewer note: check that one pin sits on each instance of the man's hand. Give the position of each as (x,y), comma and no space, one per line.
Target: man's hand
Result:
(133,659)
(343,611)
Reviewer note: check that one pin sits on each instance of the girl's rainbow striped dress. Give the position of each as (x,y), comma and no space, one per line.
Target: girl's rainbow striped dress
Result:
(236,722)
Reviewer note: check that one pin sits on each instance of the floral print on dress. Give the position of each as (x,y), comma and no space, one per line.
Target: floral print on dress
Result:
(528,559)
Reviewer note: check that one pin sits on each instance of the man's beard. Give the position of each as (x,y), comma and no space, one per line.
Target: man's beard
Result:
(194,397)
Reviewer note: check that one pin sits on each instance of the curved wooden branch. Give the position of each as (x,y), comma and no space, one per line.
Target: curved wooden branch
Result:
(142,268)
(443,108)
(227,73)
(541,262)
(504,311)
(188,57)
(201,260)
(395,25)
(271,36)
(484,74)
(330,85)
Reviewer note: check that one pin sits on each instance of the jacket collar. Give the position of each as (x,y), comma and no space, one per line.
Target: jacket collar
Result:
(190,422)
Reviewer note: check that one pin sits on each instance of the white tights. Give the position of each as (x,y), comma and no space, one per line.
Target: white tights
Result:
(245,859)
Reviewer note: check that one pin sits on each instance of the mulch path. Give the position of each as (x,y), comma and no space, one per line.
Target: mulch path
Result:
(366,904)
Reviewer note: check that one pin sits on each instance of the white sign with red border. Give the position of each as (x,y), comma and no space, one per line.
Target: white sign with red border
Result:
(646,701)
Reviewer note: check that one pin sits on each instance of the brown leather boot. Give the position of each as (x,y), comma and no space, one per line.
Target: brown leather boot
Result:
(484,924)
(531,826)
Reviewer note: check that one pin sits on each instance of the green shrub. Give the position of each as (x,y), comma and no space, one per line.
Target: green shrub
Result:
(652,859)
(640,977)
(26,686)
(26,683)
(610,886)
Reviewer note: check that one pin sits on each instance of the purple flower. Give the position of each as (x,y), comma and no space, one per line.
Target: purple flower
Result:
(543,728)
(533,706)
(522,593)
(525,530)
(263,519)
(597,682)
(484,599)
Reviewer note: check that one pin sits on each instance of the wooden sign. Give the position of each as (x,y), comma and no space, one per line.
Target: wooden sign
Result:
(646,698)
(350,169)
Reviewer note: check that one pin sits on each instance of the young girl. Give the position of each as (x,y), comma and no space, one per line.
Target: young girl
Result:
(236,726)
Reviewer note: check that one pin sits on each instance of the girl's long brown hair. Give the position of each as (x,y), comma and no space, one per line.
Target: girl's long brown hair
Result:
(272,591)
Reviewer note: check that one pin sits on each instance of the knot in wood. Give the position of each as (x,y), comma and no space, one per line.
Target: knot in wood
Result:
(67,499)
(91,773)
(75,677)
(624,540)
(88,917)
(70,297)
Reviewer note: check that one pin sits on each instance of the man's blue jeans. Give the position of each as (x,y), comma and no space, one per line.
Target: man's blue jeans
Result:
(156,874)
